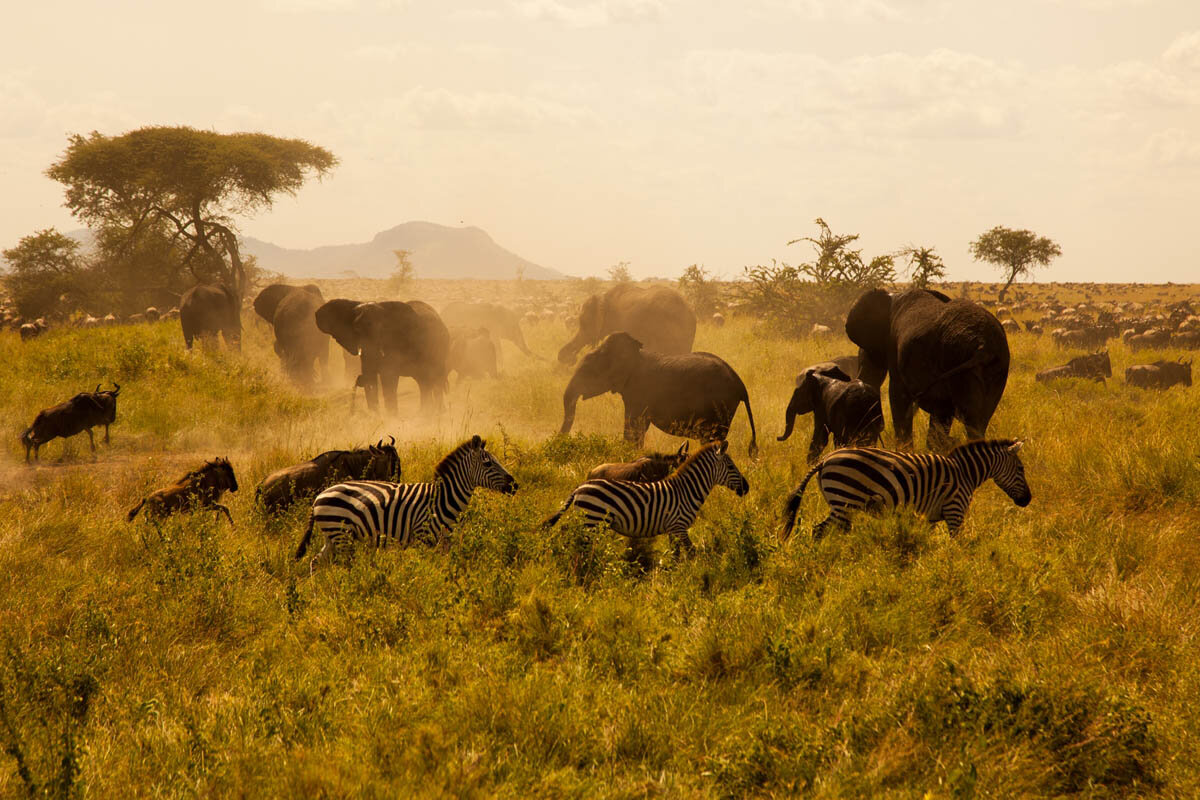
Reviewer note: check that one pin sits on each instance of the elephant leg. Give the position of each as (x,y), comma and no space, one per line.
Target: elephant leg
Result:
(938,439)
(820,438)
(635,429)
(902,414)
(389,391)
(370,387)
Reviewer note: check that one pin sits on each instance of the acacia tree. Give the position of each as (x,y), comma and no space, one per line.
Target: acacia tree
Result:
(924,265)
(1014,252)
(43,268)
(186,182)
(794,297)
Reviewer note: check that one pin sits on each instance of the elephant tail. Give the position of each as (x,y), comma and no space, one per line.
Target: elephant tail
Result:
(791,509)
(745,398)
(979,357)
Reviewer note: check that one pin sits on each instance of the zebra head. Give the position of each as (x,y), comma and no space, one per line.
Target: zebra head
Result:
(726,472)
(482,469)
(1009,473)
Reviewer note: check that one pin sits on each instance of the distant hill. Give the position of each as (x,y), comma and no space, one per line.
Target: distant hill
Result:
(437,251)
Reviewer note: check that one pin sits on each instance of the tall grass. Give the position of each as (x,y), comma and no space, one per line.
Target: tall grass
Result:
(1043,651)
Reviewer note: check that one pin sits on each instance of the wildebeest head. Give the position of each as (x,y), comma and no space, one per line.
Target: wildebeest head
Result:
(218,475)
(384,464)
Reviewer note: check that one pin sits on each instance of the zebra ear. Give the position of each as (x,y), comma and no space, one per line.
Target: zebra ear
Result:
(683,449)
(476,441)
(723,447)
(1016,446)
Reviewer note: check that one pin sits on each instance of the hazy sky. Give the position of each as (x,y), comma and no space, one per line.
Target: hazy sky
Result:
(580,133)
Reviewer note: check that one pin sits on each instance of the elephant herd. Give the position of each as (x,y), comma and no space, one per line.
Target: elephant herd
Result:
(949,358)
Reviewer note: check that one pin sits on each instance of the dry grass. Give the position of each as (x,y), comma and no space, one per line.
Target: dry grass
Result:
(1044,651)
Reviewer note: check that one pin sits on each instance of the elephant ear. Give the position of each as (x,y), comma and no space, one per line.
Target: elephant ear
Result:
(869,325)
(336,318)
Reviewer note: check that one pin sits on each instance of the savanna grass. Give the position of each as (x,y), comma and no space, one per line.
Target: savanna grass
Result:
(1043,651)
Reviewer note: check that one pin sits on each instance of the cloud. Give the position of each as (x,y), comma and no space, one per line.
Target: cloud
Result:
(442,109)
(591,13)
(308,6)
(941,94)
(1184,52)
(1172,148)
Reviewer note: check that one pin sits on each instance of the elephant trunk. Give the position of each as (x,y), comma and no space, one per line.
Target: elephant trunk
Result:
(566,356)
(791,423)
(518,339)
(570,400)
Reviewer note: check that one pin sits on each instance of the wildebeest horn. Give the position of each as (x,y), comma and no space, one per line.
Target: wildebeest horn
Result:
(392,443)
(117,389)
(97,387)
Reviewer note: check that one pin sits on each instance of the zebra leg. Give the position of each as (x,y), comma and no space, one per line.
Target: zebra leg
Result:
(832,521)
(681,540)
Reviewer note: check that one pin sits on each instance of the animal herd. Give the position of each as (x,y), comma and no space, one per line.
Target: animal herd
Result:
(947,357)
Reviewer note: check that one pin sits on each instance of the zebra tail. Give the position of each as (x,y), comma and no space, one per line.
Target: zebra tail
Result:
(553,519)
(133,512)
(792,509)
(303,548)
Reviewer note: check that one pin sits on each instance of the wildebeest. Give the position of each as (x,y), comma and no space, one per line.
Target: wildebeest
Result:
(1187,340)
(1160,374)
(1094,367)
(31,329)
(200,488)
(379,462)
(81,413)
(647,469)
(1152,339)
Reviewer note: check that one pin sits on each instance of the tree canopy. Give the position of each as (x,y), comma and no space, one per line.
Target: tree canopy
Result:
(185,184)
(1014,252)
(43,268)
(924,265)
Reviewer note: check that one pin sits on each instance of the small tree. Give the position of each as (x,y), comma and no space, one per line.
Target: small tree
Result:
(44,269)
(191,182)
(404,273)
(620,273)
(924,265)
(1014,252)
(699,287)
(839,266)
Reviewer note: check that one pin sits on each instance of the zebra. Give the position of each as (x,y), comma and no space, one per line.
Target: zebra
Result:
(644,510)
(938,486)
(380,513)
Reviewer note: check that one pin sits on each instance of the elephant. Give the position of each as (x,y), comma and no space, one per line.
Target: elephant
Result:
(209,309)
(657,316)
(394,338)
(298,340)
(502,323)
(841,405)
(473,353)
(690,394)
(267,301)
(947,357)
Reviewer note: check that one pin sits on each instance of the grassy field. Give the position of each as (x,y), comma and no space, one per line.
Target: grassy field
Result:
(1043,651)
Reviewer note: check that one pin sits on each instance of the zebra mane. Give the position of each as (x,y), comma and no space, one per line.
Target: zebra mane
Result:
(983,444)
(443,466)
(687,464)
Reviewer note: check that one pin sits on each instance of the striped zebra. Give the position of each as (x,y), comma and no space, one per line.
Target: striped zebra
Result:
(670,506)
(937,486)
(382,513)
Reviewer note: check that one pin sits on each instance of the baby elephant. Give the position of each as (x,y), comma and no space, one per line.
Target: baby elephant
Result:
(646,469)
(201,488)
(847,408)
